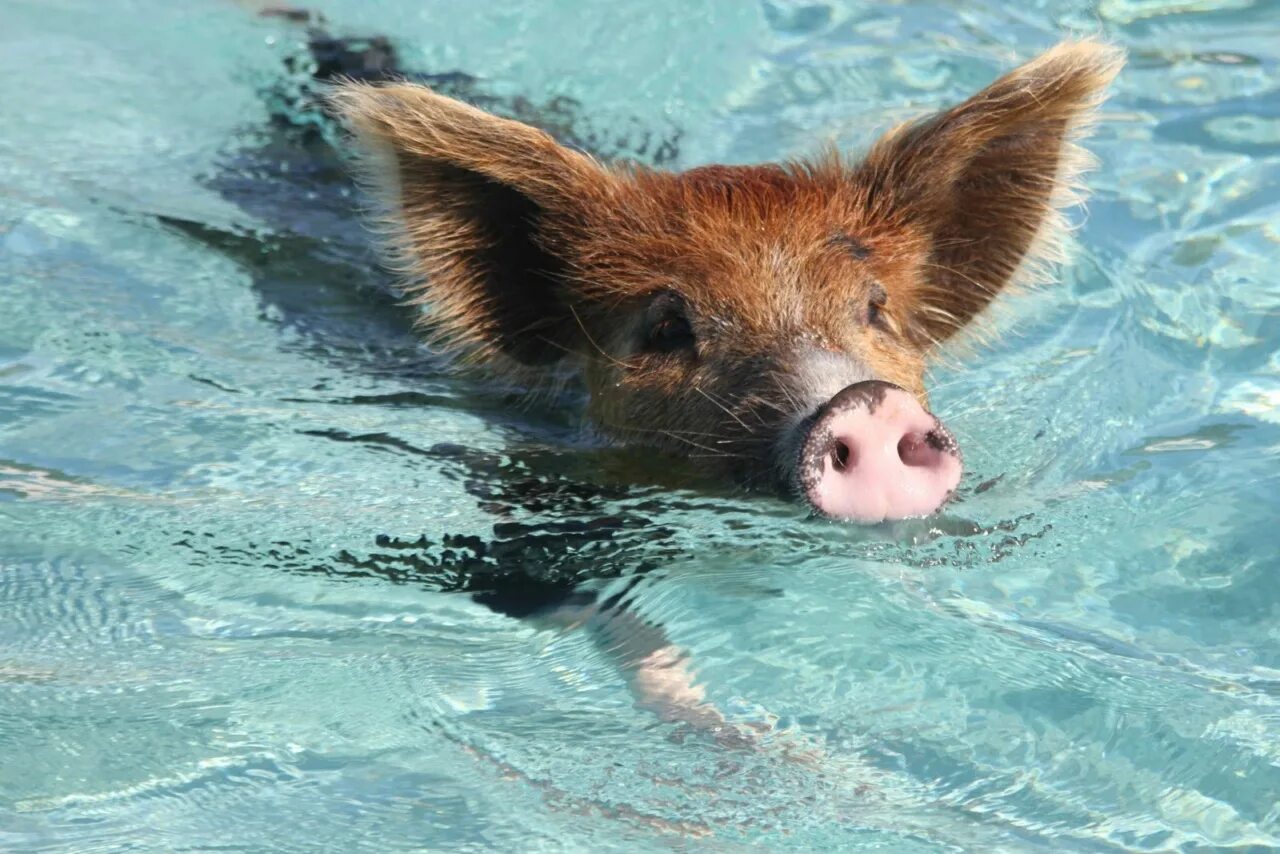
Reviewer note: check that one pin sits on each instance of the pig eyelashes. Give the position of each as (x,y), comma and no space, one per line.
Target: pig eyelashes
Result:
(666,326)
(850,244)
(857,249)
(876,302)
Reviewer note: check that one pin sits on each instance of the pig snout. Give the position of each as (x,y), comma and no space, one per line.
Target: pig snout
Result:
(872,452)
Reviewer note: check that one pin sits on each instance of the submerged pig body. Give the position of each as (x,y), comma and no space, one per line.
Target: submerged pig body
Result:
(775,320)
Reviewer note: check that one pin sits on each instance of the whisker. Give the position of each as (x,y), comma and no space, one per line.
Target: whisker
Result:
(710,451)
(612,359)
(725,409)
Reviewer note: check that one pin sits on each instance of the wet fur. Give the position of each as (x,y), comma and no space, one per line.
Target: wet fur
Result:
(530,256)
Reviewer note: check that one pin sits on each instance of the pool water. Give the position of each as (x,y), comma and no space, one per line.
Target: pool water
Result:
(241,508)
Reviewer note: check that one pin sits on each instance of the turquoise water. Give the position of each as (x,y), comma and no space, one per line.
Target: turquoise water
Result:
(235,493)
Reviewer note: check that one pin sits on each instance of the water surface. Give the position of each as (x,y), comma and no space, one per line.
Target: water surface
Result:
(239,502)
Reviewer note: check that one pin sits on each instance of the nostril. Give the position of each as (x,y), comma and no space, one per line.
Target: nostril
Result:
(841,455)
(919,449)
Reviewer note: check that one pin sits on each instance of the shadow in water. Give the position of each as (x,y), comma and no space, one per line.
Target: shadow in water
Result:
(313,268)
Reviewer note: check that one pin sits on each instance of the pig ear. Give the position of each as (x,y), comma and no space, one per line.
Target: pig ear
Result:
(474,206)
(984,183)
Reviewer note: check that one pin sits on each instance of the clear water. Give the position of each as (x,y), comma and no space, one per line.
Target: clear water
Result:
(220,445)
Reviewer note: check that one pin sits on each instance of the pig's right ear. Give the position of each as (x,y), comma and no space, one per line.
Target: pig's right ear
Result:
(475,208)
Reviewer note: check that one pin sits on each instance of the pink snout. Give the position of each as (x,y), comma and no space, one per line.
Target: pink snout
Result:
(874,453)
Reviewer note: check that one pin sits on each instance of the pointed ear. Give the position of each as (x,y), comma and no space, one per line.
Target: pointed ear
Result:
(475,208)
(984,183)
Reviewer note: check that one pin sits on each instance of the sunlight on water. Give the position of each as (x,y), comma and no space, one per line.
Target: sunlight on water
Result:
(241,508)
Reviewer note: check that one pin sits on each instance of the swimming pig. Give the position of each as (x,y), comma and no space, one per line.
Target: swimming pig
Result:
(775,320)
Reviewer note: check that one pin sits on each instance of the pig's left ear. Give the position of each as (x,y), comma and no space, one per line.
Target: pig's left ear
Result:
(476,208)
(984,182)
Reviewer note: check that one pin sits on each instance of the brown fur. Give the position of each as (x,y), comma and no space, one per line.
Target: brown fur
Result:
(528,253)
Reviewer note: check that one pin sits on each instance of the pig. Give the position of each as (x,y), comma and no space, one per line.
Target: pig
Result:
(774,321)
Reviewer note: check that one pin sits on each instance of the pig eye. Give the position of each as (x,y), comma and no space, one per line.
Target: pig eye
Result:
(667,328)
(875,307)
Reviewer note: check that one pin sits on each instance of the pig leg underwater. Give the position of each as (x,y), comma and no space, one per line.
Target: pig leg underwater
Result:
(521,584)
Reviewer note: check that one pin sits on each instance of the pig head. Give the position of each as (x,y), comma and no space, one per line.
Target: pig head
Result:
(773,320)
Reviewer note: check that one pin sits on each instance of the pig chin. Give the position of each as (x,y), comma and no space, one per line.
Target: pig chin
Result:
(870,453)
